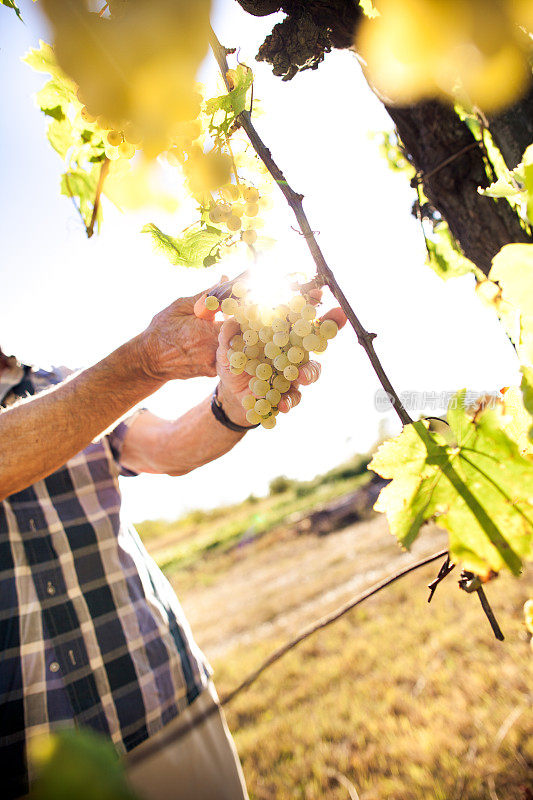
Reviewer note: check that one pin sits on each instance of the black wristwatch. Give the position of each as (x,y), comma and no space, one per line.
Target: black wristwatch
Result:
(222,417)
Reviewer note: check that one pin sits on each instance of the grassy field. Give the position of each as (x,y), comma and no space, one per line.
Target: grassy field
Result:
(397,701)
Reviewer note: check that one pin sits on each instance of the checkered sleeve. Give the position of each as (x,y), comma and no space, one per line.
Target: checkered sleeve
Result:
(116,442)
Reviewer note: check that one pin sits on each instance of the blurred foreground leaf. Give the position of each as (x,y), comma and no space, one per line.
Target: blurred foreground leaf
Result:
(77,764)
(480,489)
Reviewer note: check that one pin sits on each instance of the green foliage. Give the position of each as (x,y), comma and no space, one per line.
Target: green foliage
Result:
(280,484)
(81,149)
(191,249)
(78,764)
(234,102)
(11,4)
(478,486)
(444,257)
(512,269)
(516,186)
(82,184)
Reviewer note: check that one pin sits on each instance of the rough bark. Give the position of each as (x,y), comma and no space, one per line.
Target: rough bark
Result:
(310,29)
(512,130)
(433,133)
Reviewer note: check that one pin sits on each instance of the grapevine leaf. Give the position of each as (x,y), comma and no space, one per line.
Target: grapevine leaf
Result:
(80,184)
(54,93)
(527,395)
(189,250)
(481,490)
(60,135)
(43,59)
(13,5)
(512,267)
(444,256)
(234,101)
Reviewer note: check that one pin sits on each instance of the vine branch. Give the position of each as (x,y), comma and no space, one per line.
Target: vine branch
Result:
(324,273)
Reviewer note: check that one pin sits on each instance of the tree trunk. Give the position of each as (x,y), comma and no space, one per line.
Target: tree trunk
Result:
(512,130)
(433,134)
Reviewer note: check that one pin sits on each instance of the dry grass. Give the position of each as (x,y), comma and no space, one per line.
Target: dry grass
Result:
(397,701)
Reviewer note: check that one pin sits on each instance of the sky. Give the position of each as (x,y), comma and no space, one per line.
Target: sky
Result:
(68,300)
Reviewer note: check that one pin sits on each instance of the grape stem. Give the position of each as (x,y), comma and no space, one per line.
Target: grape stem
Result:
(101,178)
(324,273)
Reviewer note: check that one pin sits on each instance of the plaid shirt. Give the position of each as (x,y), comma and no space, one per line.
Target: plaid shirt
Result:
(91,633)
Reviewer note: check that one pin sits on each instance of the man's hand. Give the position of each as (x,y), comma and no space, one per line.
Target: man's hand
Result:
(234,387)
(177,344)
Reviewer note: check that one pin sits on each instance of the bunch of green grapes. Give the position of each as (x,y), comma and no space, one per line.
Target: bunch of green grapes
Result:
(237,208)
(273,344)
(528,614)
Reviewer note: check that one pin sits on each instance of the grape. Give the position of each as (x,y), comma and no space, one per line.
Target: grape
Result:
(273,396)
(86,115)
(319,348)
(275,411)
(240,316)
(295,340)
(253,417)
(251,210)
(291,372)
(239,289)
(248,402)
(211,302)
(126,150)
(250,194)
(295,355)
(281,338)
(280,325)
(114,138)
(267,316)
(281,383)
(255,324)
(236,370)
(280,362)
(293,316)
(219,212)
(251,367)
(263,407)
(252,350)
(111,152)
(269,422)
(260,387)
(250,336)
(328,329)
(251,381)
(272,351)
(238,360)
(310,341)
(265,334)
(297,302)
(229,306)
(237,209)
(233,223)
(264,371)
(230,192)
(302,327)
(249,237)
(308,312)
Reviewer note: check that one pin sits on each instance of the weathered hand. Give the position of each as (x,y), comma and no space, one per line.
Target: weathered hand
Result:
(234,387)
(177,344)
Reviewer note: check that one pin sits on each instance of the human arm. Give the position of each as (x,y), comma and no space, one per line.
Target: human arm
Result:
(40,434)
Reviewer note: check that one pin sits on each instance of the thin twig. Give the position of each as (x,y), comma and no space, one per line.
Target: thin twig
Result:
(101,178)
(150,747)
(364,337)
